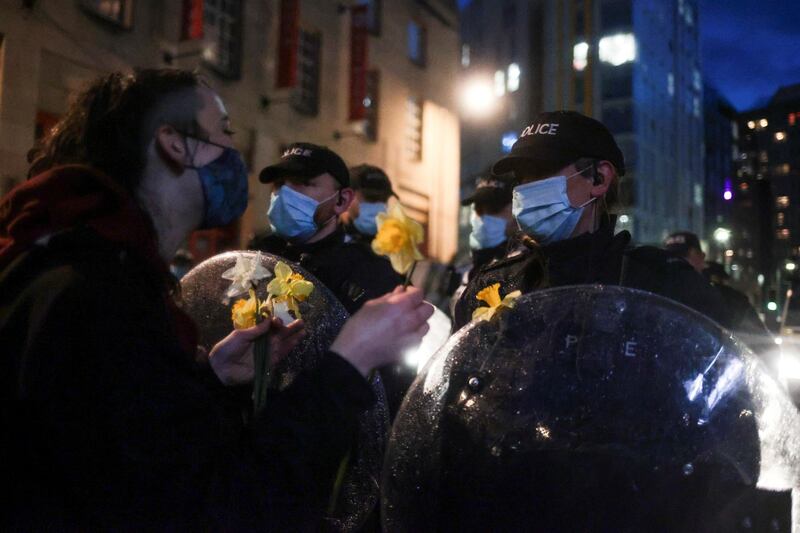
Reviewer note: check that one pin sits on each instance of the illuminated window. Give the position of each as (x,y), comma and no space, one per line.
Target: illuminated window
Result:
(618,49)
(465,55)
(513,78)
(118,12)
(763,123)
(751,124)
(780,136)
(222,29)
(743,186)
(782,202)
(780,218)
(783,234)
(792,118)
(417,41)
(783,169)
(763,156)
(580,54)
(414,128)
(697,81)
(499,83)
(671,84)
(508,140)
(696,105)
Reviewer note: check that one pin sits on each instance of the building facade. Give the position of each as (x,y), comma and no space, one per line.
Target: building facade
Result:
(769,158)
(373,80)
(632,65)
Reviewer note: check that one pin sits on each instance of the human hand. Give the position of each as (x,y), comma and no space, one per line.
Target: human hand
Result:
(232,357)
(383,329)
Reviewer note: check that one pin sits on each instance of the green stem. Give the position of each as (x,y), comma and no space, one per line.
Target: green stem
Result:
(261,380)
(410,273)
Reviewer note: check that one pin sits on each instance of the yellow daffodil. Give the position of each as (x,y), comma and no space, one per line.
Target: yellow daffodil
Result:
(398,237)
(491,296)
(245,312)
(289,287)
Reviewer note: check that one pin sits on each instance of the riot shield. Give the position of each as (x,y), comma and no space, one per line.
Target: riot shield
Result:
(593,409)
(203,294)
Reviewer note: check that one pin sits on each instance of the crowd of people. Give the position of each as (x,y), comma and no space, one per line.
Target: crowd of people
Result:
(114,419)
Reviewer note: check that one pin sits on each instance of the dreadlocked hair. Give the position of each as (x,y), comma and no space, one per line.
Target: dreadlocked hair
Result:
(109,125)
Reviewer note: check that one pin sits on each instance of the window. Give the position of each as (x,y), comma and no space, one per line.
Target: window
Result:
(305,98)
(413,144)
(751,124)
(508,140)
(780,136)
(465,55)
(223,30)
(117,12)
(513,78)
(783,169)
(580,56)
(416,43)
(782,202)
(783,234)
(618,49)
(671,84)
(762,123)
(499,83)
(371,102)
(792,118)
(780,218)
(696,107)
(697,80)
(374,10)
(763,156)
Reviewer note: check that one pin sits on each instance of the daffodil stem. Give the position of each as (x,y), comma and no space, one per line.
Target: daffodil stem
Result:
(410,273)
(262,375)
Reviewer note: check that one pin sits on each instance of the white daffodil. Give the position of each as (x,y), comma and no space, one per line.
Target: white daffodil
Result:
(246,272)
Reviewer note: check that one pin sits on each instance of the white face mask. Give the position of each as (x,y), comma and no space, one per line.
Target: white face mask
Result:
(542,209)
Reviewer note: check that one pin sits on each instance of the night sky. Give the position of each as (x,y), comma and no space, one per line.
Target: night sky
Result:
(750,48)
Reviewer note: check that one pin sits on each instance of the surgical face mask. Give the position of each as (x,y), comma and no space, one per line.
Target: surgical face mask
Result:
(487,231)
(224,183)
(291,214)
(542,209)
(365,223)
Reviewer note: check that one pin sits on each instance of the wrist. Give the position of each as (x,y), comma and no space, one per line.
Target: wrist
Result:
(350,353)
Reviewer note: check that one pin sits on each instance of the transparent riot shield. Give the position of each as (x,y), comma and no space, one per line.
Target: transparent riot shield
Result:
(203,294)
(593,409)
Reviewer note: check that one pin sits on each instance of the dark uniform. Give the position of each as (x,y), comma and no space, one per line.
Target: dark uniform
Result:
(602,258)
(351,270)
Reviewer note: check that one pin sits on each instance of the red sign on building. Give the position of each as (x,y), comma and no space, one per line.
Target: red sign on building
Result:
(288,38)
(359,39)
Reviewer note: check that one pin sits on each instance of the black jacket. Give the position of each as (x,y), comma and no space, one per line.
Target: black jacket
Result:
(108,425)
(595,258)
(351,270)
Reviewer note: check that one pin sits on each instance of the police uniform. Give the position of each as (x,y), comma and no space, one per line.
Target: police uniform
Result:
(594,258)
(555,141)
(349,269)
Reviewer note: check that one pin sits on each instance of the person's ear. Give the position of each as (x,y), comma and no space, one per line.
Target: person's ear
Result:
(172,146)
(604,176)
(344,200)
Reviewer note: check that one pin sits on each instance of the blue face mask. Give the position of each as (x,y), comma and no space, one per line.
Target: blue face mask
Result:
(542,209)
(291,214)
(487,231)
(225,187)
(365,223)
(224,182)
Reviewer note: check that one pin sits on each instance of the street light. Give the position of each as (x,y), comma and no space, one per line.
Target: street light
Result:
(790,266)
(478,98)
(722,235)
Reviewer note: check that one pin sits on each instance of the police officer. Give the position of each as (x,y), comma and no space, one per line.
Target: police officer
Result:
(491,220)
(372,192)
(568,166)
(311,189)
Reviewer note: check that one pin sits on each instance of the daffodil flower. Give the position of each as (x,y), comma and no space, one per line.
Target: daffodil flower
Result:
(245,312)
(491,296)
(289,288)
(244,273)
(398,237)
